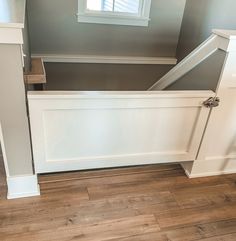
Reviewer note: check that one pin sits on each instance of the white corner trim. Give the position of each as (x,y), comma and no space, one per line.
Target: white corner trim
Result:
(22,186)
(100,59)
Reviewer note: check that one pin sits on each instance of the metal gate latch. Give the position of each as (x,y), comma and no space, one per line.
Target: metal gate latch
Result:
(212,102)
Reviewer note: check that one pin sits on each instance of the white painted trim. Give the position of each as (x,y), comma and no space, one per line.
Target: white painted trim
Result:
(209,174)
(47,95)
(113,20)
(12,22)
(11,36)
(11,25)
(188,63)
(211,158)
(22,186)
(101,17)
(100,59)
(186,171)
(225,33)
(47,107)
(212,166)
(3,152)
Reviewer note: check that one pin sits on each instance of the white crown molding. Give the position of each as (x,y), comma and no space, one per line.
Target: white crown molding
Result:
(22,186)
(100,59)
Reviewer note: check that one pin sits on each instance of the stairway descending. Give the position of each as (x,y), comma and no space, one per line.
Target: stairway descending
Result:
(206,49)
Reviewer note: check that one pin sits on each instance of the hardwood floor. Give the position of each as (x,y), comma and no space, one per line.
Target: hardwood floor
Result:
(150,203)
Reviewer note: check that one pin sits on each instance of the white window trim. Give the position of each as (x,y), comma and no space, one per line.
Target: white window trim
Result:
(85,16)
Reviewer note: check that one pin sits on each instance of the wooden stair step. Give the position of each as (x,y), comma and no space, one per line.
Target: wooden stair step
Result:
(37,74)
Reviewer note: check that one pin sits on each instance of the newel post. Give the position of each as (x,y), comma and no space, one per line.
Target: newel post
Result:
(217,153)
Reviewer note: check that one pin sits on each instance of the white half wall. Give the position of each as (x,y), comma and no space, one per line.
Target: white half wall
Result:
(88,130)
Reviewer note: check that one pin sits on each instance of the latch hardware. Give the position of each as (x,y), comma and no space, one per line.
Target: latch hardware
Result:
(212,102)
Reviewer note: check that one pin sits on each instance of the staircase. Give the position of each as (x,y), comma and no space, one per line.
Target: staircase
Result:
(206,49)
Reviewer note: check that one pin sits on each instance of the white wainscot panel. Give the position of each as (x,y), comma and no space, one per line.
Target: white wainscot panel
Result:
(72,134)
(76,134)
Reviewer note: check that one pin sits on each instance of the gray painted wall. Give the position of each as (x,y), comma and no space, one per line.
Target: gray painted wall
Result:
(102,76)
(54,29)
(205,76)
(200,17)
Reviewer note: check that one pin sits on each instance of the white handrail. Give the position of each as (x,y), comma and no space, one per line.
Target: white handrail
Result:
(192,60)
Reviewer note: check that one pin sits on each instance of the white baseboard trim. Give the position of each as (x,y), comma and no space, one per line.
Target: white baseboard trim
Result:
(186,172)
(11,35)
(22,186)
(209,174)
(100,59)
(211,166)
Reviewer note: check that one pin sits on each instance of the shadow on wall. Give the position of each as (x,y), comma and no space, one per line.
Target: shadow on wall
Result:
(67,76)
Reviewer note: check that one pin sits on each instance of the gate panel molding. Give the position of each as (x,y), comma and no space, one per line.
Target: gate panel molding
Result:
(85,130)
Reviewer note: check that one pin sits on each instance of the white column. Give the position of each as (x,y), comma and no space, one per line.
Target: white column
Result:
(14,125)
(217,154)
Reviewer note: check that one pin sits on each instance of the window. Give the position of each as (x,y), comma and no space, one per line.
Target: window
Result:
(121,12)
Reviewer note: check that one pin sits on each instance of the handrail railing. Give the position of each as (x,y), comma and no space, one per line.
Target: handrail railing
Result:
(214,42)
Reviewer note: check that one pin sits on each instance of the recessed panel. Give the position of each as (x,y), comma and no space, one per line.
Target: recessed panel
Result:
(74,134)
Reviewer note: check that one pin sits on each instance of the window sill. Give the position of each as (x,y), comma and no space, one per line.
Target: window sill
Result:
(114,20)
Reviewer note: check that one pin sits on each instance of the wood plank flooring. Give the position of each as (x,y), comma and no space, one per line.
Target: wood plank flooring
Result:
(149,203)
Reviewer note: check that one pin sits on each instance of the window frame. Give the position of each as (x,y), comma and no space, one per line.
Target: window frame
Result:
(115,18)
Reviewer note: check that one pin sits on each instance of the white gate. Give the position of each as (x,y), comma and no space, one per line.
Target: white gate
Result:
(86,130)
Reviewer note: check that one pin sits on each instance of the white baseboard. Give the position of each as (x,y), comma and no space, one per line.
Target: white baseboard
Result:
(209,174)
(211,167)
(22,186)
(100,59)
